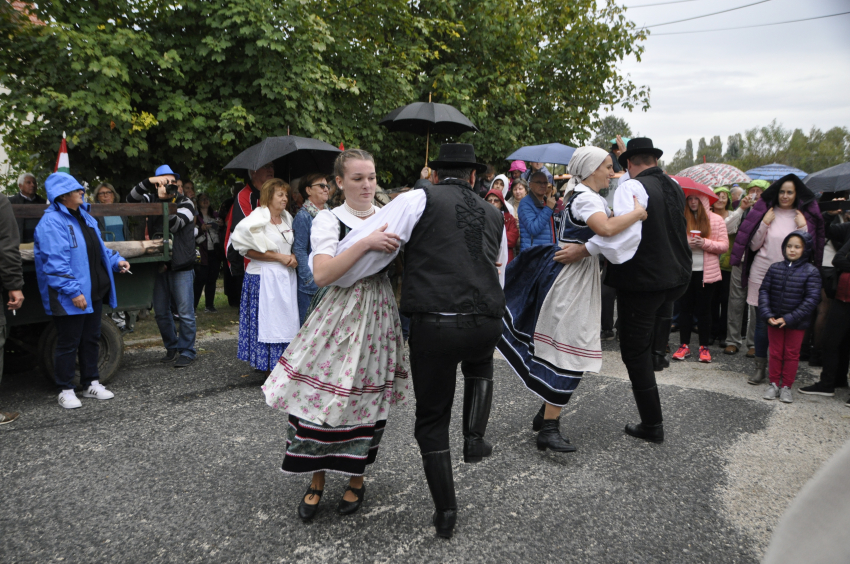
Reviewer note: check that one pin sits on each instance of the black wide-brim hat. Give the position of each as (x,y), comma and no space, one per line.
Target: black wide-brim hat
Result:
(639,146)
(457,155)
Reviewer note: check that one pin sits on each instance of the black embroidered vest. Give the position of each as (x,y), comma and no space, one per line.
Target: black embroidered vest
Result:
(450,260)
(663,259)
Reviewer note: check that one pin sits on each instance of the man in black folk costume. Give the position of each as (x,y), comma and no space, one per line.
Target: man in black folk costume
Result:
(649,283)
(452,290)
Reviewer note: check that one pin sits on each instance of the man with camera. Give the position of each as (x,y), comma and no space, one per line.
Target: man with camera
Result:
(175,281)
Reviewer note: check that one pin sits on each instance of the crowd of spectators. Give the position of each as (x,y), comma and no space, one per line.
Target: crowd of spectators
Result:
(735,242)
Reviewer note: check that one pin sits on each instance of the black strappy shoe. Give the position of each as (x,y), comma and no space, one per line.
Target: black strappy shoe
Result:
(306,511)
(349,507)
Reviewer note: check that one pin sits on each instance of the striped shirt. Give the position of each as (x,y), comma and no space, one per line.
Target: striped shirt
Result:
(144,191)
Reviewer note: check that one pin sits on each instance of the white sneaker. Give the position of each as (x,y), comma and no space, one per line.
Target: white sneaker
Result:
(97,391)
(69,400)
(772,392)
(785,395)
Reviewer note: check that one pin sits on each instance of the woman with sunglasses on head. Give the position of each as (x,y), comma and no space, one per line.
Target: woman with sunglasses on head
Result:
(268,313)
(314,190)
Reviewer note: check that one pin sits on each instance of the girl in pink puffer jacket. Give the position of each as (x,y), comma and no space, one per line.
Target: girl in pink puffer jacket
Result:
(708,240)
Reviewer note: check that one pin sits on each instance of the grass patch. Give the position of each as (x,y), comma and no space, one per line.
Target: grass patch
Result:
(226,319)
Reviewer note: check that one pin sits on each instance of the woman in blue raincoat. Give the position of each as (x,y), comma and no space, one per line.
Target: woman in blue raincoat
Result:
(74,270)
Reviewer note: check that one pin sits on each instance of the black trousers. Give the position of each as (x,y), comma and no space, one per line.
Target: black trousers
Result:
(77,339)
(637,318)
(437,345)
(232,286)
(720,306)
(206,275)
(609,294)
(695,305)
(836,344)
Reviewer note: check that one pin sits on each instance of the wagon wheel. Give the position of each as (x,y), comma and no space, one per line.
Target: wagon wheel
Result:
(108,360)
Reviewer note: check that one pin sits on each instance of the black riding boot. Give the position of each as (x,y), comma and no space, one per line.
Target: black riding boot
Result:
(438,472)
(660,338)
(477,398)
(651,427)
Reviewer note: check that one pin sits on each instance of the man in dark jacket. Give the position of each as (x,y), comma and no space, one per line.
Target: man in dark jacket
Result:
(452,290)
(175,283)
(649,283)
(27,195)
(247,199)
(11,278)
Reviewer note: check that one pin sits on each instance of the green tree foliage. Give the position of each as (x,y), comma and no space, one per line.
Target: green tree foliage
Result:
(609,128)
(711,152)
(682,159)
(771,144)
(774,144)
(135,84)
(734,147)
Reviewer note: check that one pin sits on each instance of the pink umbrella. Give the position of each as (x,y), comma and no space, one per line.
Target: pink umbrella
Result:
(693,188)
(714,174)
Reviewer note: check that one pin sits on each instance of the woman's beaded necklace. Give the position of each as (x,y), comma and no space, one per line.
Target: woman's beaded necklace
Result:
(358,213)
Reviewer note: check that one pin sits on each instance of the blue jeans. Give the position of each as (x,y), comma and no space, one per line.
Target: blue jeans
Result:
(179,288)
(77,339)
(761,340)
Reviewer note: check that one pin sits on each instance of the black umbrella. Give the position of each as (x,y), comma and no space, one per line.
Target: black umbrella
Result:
(424,118)
(292,156)
(833,179)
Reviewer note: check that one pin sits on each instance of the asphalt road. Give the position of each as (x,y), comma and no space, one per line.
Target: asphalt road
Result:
(183,466)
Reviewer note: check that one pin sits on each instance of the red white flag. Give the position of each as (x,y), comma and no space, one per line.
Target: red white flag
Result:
(62,163)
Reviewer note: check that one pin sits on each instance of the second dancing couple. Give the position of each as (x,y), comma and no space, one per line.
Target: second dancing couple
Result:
(552,328)
(346,367)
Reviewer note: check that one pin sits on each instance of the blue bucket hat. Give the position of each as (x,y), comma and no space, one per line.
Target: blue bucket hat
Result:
(60,183)
(165,169)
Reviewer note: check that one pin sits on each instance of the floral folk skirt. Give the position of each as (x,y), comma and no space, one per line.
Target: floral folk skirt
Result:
(262,356)
(339,377)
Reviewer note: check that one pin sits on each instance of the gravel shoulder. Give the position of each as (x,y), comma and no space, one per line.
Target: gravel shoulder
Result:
(182,466)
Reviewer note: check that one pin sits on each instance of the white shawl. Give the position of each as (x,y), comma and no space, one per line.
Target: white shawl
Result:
(249,235)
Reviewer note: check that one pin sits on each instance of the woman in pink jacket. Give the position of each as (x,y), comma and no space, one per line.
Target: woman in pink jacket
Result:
(707,239)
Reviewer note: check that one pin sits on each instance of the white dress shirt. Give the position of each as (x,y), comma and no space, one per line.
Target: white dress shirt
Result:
(401,216)
(622,246)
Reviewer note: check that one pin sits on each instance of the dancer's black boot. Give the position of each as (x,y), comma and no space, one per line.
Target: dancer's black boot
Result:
(651,427)
(477,398)
(660,337)
(550,437)
(438,472)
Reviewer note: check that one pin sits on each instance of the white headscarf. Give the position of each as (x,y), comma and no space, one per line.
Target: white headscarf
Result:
(583,163)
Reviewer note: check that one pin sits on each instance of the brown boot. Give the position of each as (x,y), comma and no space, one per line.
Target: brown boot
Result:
(731,349)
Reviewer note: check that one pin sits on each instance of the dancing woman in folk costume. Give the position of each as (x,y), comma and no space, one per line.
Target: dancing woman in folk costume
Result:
(552,326)
(346,366)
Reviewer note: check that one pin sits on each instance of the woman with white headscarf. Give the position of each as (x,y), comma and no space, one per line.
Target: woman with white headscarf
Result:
(553,319)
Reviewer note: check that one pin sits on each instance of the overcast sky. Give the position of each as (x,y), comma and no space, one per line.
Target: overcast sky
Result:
(724,82)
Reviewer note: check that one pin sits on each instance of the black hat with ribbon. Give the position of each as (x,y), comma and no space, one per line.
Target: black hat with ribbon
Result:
(455,156)
(639,146)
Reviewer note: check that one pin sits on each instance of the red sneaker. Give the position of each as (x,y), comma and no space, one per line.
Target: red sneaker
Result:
(704,355)
(683,353)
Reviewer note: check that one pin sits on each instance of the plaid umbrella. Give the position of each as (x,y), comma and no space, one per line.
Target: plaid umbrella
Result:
(714,174)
